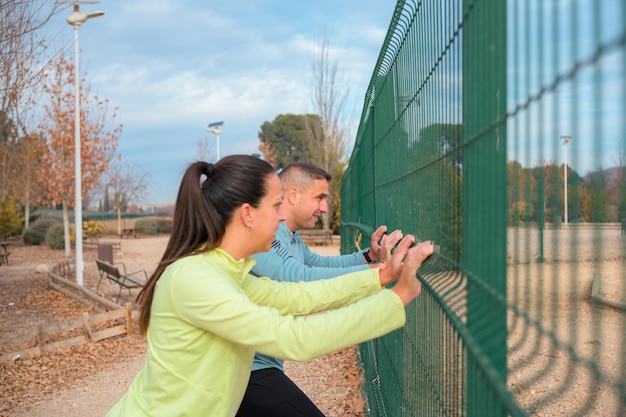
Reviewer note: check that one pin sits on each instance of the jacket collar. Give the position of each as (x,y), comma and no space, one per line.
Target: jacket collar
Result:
(284,234)
(240,267)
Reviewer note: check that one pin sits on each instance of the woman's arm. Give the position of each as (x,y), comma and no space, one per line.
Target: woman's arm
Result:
(221,307)
(211,299)
(308,297)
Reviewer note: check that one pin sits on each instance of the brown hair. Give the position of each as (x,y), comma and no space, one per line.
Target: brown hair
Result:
(301,175)
(204,207)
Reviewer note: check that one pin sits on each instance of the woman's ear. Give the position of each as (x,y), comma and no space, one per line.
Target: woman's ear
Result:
(246,213)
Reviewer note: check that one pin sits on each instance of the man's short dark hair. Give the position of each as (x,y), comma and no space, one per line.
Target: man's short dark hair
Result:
(301,175)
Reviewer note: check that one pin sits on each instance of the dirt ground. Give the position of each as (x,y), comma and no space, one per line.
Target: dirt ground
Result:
(566,350)
(86,380)
(554,298)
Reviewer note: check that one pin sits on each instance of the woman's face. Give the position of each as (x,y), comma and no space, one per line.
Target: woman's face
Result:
(269,214)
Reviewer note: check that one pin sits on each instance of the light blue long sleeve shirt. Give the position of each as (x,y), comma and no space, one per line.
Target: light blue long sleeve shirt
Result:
(291,260)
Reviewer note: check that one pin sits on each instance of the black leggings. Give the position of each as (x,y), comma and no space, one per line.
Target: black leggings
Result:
(271,394)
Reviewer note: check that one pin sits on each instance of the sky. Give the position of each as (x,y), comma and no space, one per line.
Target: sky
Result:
(174,66)
(543,44)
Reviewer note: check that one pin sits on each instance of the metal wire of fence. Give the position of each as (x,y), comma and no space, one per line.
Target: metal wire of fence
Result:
(497,130)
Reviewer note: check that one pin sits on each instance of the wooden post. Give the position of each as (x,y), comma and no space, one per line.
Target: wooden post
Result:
(129,319)
(41,338)
(87,327)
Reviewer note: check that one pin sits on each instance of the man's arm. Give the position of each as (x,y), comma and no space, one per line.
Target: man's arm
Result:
(280,265)
(376,255)
(342,261)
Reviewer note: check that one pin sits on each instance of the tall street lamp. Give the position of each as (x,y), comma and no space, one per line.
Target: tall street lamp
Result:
(76,19)
(214,128)
(565,139)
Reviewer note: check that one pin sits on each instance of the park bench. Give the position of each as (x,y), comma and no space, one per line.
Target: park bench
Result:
(4,253)
(129,233)
(316,236)
(120,276)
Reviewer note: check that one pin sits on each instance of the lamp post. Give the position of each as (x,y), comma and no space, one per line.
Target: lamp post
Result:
(214,128)
(76,19)
(565,139)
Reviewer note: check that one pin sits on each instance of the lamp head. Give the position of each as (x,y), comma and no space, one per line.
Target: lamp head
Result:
(77,17)
(97,13)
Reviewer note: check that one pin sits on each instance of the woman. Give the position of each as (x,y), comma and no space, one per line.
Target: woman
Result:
(204,316)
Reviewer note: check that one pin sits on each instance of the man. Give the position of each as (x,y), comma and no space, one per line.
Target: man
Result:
(305,191)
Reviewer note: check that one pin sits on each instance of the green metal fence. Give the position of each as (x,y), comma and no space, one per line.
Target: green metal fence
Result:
(481,119)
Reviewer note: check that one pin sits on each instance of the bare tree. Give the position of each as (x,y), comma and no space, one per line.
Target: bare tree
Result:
(127,183)
(20,48)
(327,141)
(204,150)
(21,73)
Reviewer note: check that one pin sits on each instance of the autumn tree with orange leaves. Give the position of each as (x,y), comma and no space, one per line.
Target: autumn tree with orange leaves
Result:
(99,132)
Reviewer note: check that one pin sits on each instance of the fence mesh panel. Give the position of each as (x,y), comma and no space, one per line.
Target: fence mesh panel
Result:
(497,129)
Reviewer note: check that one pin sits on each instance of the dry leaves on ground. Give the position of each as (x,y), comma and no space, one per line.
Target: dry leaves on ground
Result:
(25,301)
(31,379)
(332,382)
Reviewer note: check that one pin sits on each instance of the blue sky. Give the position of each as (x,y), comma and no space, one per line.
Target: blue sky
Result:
(174,66)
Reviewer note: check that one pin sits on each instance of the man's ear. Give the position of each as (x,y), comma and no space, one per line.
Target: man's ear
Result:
(292,195)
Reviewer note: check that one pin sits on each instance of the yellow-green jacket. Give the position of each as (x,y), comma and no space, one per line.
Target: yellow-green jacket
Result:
(209,316)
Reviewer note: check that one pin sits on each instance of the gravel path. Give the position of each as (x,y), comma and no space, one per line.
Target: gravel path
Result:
(332,382)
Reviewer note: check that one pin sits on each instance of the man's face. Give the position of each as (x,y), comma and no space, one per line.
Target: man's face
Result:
(310,205)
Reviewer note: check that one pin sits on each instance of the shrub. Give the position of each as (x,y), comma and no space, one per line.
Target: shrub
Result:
(32,237)
(55,238)
(92,228)
(42,226)
(11,219)
(147,226)
(164,225)
(36,233)
(520,211)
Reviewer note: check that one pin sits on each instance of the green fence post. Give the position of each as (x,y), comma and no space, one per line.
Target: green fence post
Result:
(541,222)
(484,195)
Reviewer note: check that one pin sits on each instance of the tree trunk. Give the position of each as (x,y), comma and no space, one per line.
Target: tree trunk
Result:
(66,230)
(119,219)
(27,205)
